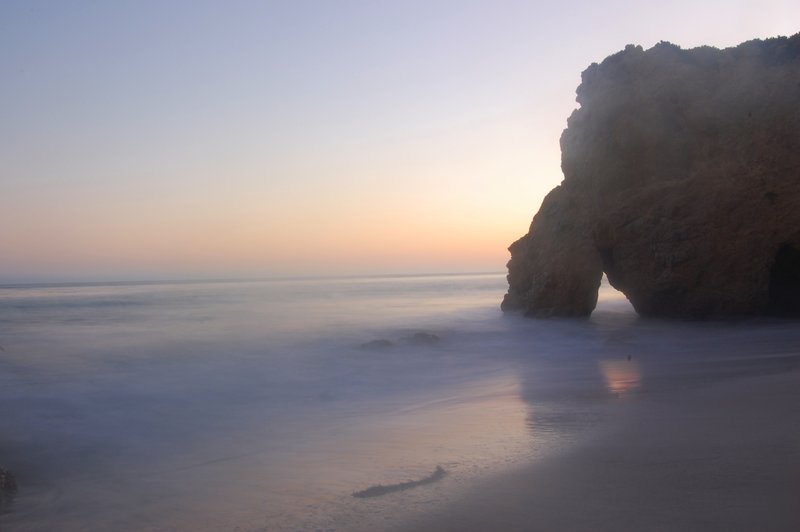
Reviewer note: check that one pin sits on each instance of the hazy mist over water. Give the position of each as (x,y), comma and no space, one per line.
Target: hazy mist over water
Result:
(253,405)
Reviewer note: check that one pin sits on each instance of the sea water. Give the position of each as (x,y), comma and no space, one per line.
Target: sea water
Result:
(264,405)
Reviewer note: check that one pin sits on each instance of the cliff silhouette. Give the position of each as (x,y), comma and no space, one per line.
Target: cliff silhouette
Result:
(681,184)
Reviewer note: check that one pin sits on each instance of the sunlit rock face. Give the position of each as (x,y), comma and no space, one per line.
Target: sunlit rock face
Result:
(681,183)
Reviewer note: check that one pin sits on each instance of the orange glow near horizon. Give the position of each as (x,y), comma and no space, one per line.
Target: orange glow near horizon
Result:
(432,212)
(217,241)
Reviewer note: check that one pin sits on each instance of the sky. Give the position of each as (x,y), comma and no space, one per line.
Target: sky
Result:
(209,139)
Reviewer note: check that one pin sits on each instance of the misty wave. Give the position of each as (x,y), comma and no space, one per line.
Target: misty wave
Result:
(259,395)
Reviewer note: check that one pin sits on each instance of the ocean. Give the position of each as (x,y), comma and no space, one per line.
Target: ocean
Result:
(265,405)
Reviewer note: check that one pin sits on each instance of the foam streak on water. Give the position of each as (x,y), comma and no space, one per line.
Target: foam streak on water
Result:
(251,405)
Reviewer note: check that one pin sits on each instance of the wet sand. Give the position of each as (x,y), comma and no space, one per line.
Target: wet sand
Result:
(721,455)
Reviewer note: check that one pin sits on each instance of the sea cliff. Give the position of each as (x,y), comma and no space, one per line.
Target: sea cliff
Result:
(681,184)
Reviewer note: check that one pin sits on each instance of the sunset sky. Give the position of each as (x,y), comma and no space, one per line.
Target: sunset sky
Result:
(167,139)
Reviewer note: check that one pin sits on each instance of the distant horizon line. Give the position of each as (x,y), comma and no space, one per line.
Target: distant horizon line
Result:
(184,280)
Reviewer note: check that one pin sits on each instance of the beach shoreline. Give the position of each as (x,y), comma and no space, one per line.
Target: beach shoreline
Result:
(723,455)
(270,420)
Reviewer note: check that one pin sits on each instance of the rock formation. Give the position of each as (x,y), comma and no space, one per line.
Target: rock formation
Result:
(681,183)
(8,488)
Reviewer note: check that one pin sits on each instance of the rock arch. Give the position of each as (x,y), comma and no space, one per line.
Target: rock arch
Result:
(681,180)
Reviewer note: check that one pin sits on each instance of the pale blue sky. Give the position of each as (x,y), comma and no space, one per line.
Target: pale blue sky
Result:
(198,138)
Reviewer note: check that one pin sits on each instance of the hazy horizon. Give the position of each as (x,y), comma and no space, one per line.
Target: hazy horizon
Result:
(133,280)
(195,140)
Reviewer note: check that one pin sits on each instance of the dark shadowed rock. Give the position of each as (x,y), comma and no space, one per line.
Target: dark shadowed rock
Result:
(376,344)
(423,338)
(8,487)
(681,183)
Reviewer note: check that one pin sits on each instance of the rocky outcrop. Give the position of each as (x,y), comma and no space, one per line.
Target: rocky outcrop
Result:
(8,488)
(681,183)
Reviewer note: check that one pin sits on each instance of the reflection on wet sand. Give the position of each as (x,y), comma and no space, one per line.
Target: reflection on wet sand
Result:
(459,433)
(621,376)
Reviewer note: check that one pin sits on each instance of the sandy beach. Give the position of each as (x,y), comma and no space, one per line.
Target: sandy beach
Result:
(681,456)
